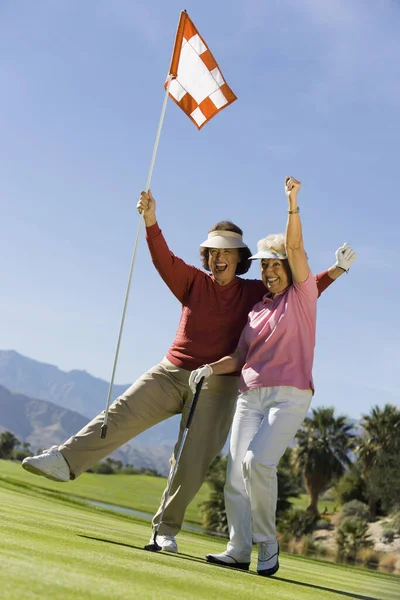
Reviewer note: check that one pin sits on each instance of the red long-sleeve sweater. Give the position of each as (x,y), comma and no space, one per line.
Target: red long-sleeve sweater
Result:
(213,315)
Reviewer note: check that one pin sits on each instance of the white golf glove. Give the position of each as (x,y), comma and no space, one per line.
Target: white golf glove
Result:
(195,376)
(345,257)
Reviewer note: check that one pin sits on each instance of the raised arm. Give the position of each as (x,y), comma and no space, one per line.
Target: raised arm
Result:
(174,271)
(294,237)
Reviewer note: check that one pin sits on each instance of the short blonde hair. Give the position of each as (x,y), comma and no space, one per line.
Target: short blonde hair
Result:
(274,241)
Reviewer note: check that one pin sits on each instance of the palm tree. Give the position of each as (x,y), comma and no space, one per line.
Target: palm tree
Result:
(322,453)
(381,434)
(378,455)
(289,483)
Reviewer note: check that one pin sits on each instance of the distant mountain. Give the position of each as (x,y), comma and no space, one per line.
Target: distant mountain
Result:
(44,424)
(74,390)
(40,423)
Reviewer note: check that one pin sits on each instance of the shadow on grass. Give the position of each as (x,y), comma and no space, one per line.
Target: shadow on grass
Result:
(169,554)
(191,558)
(39,491)
(326,589)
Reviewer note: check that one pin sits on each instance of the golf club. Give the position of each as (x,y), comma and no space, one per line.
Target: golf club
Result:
(153,546)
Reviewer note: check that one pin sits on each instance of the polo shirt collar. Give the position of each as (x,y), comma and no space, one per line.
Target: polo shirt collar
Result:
(269,299)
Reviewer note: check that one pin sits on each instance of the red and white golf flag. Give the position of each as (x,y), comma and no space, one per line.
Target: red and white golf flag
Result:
(198,86)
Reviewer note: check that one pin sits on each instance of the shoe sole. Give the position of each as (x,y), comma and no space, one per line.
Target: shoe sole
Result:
(269,572)
(173,551)
(31,469)
(215,561)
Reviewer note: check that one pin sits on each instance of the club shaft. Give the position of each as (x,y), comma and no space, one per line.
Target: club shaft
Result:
(178,456)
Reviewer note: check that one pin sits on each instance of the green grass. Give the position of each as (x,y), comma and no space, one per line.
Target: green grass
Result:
(50,549)
(139,492)
(303,501)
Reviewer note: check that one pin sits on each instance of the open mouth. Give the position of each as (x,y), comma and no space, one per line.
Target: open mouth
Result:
(221,267)
(271,281)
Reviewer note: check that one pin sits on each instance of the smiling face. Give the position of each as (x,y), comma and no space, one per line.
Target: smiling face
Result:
(222,263)
(276,274)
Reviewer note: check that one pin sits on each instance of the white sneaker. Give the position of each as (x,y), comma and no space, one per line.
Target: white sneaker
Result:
(226,560)
(268,562)
(167,543)
(50,464)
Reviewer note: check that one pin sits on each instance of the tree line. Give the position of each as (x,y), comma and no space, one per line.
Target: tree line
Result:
(360,464)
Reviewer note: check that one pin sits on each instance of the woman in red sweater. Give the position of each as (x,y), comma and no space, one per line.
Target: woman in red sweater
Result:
(214,311)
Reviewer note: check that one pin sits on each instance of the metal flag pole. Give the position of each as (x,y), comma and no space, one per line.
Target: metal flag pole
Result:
(103,431)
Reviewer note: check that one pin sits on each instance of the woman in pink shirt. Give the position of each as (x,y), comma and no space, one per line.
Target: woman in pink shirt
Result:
(275,353)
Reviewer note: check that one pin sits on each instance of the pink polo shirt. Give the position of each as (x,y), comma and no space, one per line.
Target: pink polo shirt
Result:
(279,339)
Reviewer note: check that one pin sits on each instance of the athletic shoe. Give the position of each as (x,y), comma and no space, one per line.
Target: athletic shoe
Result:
(226,560)
(167,543)
(268,562)
(50,464)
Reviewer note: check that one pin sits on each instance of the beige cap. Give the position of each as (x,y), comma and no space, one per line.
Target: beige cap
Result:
(268,253)
(224,239)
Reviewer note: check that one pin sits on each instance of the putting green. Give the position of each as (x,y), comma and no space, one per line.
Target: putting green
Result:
(52,549)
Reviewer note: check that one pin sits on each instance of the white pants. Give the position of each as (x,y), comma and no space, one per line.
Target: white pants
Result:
(265,422)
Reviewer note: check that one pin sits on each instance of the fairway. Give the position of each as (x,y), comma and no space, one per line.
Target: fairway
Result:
(139,492)
(54,549)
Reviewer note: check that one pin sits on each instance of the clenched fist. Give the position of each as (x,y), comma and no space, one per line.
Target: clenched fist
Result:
(345,256)
(147,207)
(292,187)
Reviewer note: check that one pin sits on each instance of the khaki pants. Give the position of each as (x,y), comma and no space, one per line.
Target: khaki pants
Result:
(159,394)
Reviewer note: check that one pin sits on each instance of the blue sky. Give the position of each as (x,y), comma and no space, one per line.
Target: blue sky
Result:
(318,83)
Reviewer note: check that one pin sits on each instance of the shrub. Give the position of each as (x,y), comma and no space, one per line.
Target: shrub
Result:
(307,546)
(394,523)
(322,524)
(8,442)
(388,562)
(151,472)
(130,470)
(321,550)
(351,486)
(388,536)
(213,510)
(368,557)
(293,546)
(19,455)
(355,508)
(284,541)
(329,495)
(383,482)
(351,536)
(297,523)
(103,468)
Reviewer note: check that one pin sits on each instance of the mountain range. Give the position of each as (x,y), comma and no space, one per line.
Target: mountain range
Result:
(44,406)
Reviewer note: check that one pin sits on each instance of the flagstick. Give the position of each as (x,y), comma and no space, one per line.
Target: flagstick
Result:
(103,431)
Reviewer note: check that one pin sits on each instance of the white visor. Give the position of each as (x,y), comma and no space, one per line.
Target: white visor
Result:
(268,253)
(223,239)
